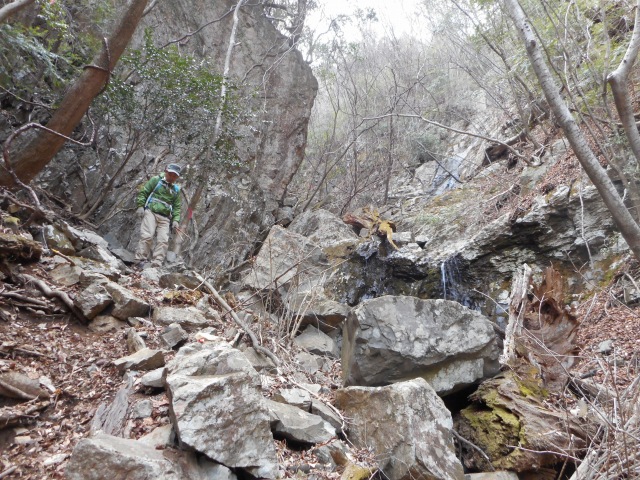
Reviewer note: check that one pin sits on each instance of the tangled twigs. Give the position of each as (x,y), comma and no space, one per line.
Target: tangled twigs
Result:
(222,302)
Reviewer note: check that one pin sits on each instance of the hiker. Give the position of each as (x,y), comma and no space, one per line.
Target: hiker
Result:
(159,207)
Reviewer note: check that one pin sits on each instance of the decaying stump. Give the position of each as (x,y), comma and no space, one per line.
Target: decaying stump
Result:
(509,418)
(369,219)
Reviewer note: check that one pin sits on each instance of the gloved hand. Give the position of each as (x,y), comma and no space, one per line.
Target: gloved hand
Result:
(174,228)
(140,212)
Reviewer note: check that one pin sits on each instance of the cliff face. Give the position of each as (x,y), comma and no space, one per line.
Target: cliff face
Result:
(239,206)
(262,59)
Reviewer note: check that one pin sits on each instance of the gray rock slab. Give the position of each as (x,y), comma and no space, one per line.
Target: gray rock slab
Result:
(297,425)
(145,359)
(93,300)
(189,318)
(260,362)
(317,342)
(295,397)
(65,274)
(406,425)
(174,336)
(162,436)
(126,304)
(154,378)
(394,338)
(141,409)
(212,412)
(104,456)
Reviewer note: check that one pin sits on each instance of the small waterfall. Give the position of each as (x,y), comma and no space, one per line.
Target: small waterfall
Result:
(443,275)
(452,282)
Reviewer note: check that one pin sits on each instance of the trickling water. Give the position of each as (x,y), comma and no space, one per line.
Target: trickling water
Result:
(443,272)
(452,283)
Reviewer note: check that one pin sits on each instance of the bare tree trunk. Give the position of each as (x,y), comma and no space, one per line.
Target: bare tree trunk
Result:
(204,177)
(621,216)
(618,79)
(30,159)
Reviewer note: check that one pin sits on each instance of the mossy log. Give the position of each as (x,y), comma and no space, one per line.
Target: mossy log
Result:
(15,247)
(517,430)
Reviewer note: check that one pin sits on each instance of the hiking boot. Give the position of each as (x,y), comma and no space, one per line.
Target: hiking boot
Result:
(140,265)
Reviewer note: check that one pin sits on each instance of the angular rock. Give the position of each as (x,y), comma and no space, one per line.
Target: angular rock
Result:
(135,343)
(82,238)
(105,323)
(93,300)
(390,339)
(326,413)
(259,362)
(88,278)
(65,275)
(57,240)
(215,378)
(142,409)
(317,342)
(103,255)
(309,362)
(126,304)
(318,310)
(189,318)
(17,385)
(145,359)
(159,437)
(153,379)
(174,336)
(297,425)
(326,230)
(121,458)
(234,416)
(295,397)
(286,256)
(407,426)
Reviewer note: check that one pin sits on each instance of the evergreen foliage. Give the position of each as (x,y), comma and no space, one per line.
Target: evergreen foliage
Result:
(166,98)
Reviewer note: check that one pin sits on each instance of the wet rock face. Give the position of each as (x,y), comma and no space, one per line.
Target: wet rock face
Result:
(374,270)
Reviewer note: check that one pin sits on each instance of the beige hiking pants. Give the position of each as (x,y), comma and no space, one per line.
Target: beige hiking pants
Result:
(153,224)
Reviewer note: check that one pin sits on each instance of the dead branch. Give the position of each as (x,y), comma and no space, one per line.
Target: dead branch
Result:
(475,447)
(221,301)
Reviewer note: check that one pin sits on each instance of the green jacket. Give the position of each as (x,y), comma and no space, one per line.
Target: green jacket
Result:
(164,200)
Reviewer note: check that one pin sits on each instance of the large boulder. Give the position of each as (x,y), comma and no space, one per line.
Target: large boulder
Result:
(406,425)
(326,230)
(216,402)
(390,339)
(296,270)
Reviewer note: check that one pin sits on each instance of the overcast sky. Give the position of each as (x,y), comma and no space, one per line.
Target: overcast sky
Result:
(398,14)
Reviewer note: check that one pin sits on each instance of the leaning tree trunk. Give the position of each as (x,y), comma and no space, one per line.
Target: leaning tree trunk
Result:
(619,81)
(31,158)
(621,216)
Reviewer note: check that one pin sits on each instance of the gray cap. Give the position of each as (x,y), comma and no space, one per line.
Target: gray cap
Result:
(172,167)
